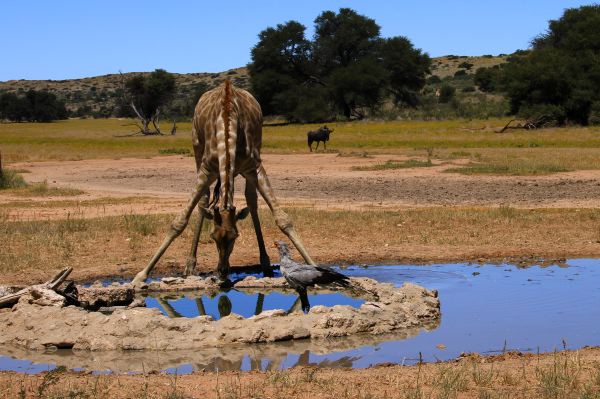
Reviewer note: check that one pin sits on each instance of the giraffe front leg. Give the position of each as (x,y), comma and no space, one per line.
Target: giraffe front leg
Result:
(191,262)
(177,226)
(252,203)
(284,222)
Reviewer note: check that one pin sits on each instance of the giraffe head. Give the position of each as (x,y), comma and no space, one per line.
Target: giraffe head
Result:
(224,233)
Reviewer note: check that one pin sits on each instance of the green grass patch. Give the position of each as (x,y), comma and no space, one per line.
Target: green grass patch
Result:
(391,164)
(513,170)
(44,190)
(11,179)
(111,138)
(177,151)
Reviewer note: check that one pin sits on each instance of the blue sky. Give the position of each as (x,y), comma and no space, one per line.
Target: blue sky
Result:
(62,39)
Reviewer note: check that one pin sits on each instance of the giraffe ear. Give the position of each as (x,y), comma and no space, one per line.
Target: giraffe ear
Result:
(242,214)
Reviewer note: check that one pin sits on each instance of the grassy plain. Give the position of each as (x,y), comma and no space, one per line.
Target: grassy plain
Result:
(544,151)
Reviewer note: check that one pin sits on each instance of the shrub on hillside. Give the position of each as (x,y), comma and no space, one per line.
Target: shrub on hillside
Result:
(446,93)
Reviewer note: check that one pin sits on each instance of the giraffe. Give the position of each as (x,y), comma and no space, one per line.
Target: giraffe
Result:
(227,137)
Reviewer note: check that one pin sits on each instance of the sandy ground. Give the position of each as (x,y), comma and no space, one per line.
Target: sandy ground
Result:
(322,181)
(315,180)
(513,375)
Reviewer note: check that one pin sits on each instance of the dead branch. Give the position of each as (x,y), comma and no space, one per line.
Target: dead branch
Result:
(52,284)
(506,127)
(538,122)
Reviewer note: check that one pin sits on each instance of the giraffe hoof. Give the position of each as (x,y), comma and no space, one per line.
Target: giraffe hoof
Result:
(139,282)
(190,267)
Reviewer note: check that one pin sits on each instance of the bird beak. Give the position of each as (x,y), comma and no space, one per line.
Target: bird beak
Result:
(274,244)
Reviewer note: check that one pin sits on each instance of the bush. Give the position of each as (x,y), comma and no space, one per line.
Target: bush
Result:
(468,89)
(446,93)
(595,114)
(434,79)
(460,72)
(465,65)
(531,111)
(485,79)
(11,179)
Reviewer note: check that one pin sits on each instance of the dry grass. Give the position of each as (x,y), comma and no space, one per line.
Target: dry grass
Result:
(76,206)
(391,164)
(551,376)
(44,190)
(121,244)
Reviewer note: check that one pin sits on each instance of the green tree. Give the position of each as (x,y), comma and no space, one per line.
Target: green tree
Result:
(147,95)
(280,64)
(560,76)
(33,106)
(347,69)
(407,68)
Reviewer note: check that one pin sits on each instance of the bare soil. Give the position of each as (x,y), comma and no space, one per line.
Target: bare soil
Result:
(322,180)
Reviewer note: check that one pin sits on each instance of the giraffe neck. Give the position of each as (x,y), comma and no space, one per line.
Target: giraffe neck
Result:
(229,139)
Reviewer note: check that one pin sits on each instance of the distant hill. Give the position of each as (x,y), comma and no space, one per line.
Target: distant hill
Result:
(100,93)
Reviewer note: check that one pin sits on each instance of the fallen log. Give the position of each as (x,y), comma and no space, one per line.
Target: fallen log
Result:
(52,284)
(538,122)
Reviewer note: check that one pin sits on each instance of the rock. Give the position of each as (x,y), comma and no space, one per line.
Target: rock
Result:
(267,314)
(137,303)
(42,296)
(133,327)
(172,280)
(96,297)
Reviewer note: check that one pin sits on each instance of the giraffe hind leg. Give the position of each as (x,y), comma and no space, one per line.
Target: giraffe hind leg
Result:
(252,202)
(282,219)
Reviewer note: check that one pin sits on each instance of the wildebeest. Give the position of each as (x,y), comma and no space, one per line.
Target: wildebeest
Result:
(321,134)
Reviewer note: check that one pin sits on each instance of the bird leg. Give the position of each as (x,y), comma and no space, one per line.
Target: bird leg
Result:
(281,218)
(304,300)
(178,225)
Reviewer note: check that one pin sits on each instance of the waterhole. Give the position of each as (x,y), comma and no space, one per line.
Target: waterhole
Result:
(485,308)
(243,303)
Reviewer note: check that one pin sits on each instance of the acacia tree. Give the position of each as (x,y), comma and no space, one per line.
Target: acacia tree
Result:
(147,95)
(346,69)
(281,63)
(559,78)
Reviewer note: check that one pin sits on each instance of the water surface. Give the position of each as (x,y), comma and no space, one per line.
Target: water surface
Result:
(485,309)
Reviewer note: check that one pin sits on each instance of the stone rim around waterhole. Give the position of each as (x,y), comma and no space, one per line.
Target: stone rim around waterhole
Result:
(387,309)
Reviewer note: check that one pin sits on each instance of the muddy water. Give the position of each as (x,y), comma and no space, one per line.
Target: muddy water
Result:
(485,308)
